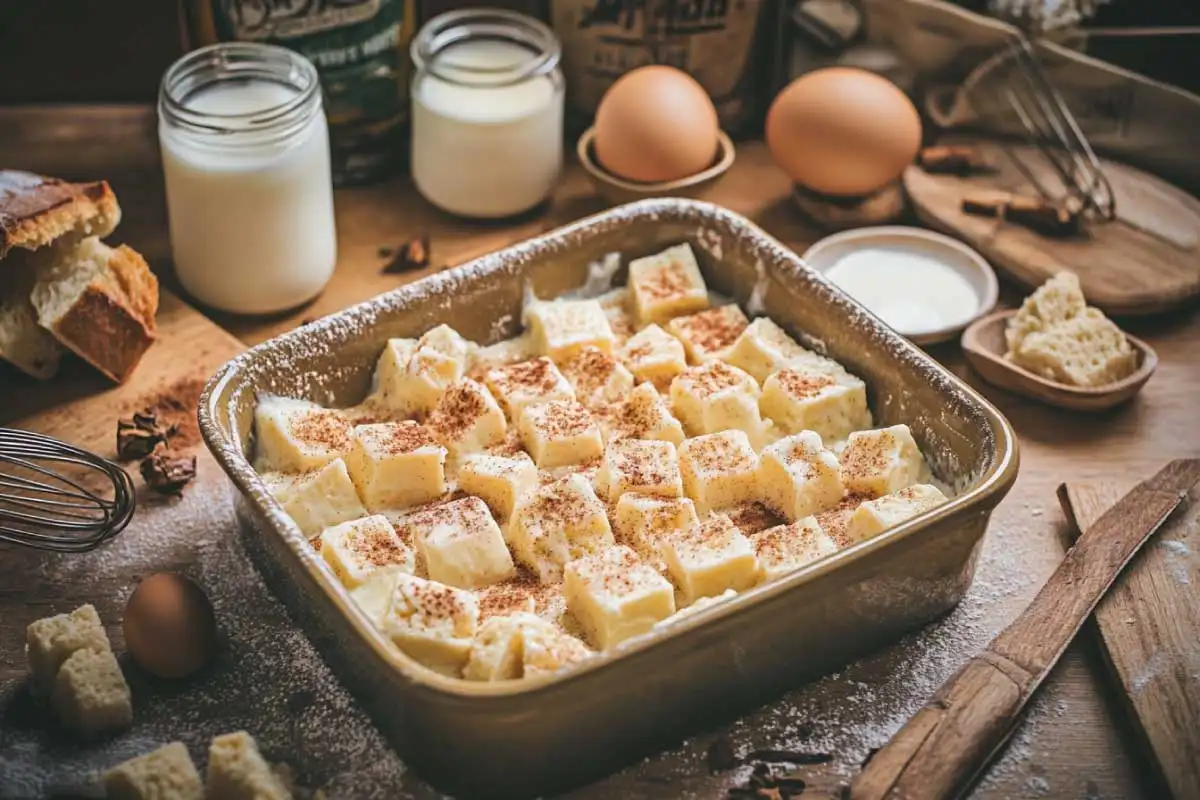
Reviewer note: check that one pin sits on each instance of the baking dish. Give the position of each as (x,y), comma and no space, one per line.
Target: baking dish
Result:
(537,736)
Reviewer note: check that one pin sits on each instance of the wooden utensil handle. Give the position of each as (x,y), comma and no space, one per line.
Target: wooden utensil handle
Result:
(939,752)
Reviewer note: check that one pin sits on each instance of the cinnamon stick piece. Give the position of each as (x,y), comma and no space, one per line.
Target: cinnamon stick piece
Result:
(939,752)
(1148,625)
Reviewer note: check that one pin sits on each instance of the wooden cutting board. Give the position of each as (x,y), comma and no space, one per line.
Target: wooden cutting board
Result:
(1144,262)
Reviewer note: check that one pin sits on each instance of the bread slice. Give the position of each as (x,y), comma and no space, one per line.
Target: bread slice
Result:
(100,302)
(30,347)
(36,210)
(1087,350)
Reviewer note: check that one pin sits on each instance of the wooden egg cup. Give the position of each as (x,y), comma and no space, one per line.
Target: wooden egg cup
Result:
(840,213)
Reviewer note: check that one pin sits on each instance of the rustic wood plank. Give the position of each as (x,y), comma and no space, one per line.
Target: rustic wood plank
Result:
(942,749)
(1149,626)
(1080,749)
(1141,263)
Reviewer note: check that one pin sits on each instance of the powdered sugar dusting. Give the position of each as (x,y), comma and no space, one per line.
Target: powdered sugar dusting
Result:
(266,678)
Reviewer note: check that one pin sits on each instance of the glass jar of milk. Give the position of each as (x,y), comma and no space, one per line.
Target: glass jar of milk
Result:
(245,150)
(487,116)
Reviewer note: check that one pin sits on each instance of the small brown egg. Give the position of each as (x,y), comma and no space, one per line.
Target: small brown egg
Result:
(169,625)
(656,124)
(843,131)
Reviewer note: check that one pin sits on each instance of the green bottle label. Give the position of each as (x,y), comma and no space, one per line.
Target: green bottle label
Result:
(360,49)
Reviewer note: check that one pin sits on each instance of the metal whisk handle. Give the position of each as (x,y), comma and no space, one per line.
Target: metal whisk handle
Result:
(55,496)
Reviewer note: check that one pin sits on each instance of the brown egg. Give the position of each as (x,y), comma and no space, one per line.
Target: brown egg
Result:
(843,131)
(170,629)
(656,124)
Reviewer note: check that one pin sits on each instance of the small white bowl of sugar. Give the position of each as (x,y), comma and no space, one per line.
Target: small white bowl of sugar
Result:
(926,286)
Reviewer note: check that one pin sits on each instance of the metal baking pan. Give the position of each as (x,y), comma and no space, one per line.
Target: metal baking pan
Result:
(531,737)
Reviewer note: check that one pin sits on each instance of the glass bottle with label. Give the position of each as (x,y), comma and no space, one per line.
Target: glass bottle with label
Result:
(360,49)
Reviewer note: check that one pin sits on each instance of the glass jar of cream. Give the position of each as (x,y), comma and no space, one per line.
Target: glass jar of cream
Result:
(245,150)
(487,116)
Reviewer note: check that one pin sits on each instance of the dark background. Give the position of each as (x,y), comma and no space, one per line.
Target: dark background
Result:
(116,50)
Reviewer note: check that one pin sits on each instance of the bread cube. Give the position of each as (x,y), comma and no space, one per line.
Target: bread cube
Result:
(667,285)
(396,465)
(548,650)
(500,480)
(876,516)
(467,419)
(432,622)
(1055,301)
(798,477)
(644,522)
(355,549)
(297,436)
(640,465)
(697,607)
(521,645)
(323,499)
(764,348)
(598,379)
(500,354)
(558,523)
(411,379)
(709,559)
(786,548)
(719,470)
(618,308)
(654,356)
(374,595)
(498,652)
(51,640)
(526,383)
(460,544)
(560,433)
(800,399)
(90,693)
(716,397)
(1088,350)
(562,328)
(163,774)
(709,335)
(615,596)
(237,770)
(881,461)
(643,416)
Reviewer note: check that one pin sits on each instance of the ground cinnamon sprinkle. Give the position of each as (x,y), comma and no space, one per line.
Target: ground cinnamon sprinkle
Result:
(560,419)
(398,438)
(643,463)
(714,377)
(176,405)
(718,452)
(714,329)
(459,408)
(537,375)
(377,546)
(801,385)
(667,281)
(867,455)
(520,593)
(751,518)
(834,521)
(590,370)
(322,427)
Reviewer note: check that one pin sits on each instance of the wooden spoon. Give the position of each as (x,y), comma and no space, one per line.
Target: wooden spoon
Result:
(984,346)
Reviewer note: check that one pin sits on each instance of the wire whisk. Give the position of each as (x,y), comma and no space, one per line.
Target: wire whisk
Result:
(58,497)
(1051,127)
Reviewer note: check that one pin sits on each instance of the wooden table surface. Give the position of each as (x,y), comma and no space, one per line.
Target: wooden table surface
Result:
(1075,742)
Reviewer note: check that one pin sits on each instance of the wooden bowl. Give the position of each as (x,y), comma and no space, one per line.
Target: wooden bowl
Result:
(618,191)
(984,345)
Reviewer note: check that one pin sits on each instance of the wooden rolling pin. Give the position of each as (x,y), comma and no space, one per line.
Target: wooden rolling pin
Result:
(942,750)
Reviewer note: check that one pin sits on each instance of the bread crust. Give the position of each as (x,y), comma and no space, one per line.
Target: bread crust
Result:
(36,210)
(111,324)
